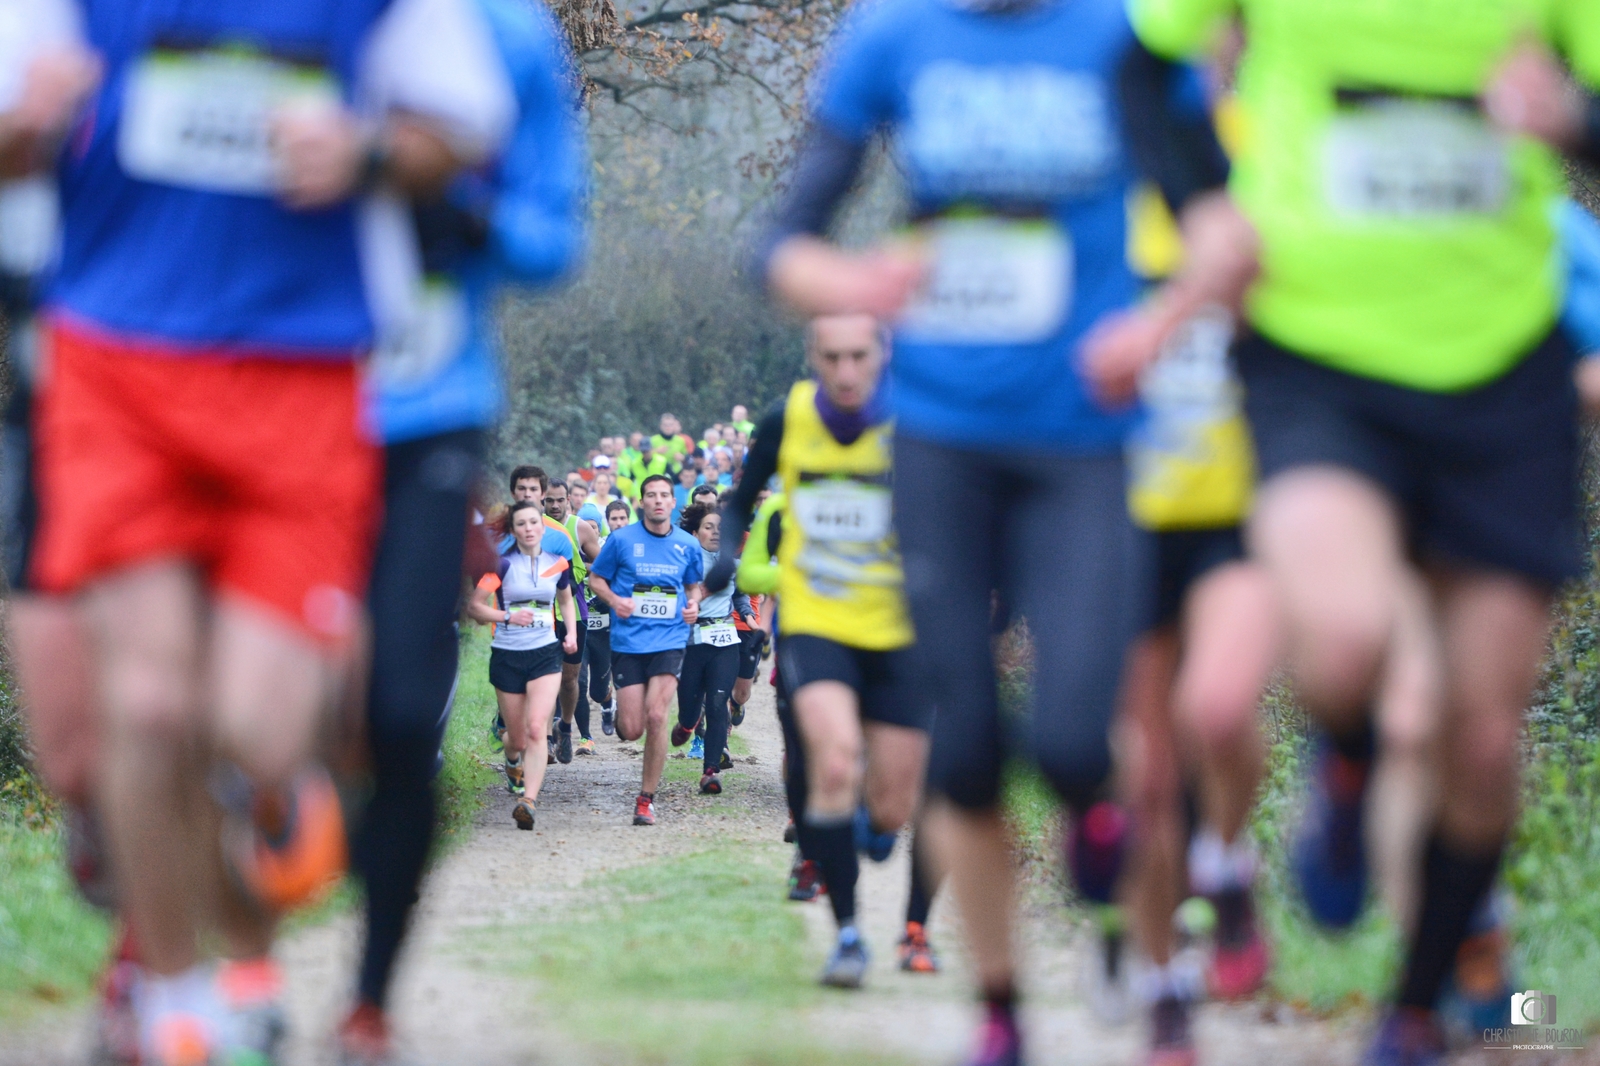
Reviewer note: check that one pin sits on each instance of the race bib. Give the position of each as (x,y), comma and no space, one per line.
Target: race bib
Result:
(719,635)
(654,604)
(542,615)
(599,621)
(842,509)
(415,347)
(1393,157)
(992,281)
(202,119)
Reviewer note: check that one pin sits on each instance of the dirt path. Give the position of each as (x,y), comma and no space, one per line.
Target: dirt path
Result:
(455,999)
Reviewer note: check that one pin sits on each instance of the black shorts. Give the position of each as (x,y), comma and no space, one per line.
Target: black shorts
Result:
(1486,477)
(881,679)
(634,668)
(750,642)
(510,671)
(1183,557)
(576,658)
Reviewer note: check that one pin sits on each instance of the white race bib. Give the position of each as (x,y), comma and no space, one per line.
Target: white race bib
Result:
(410,351)
(1399,158)
(992,281)
(599,621)
(842,510)
(655,606)
(719,635)
(543,618)
(202,119)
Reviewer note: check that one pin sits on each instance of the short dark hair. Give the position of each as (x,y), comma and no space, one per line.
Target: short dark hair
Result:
(524,472)
(694,516)
(702,490)
(664,479)
(556,483)
(614,505)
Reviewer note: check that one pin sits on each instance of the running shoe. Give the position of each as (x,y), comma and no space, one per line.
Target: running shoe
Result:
(1171,1036)
(872,843)
(805,881)
(1407,1037)
(789,831)
(116,1026)
(1096,843)
(364,1038)
(584,746)
(735,714)
(710,784)
(726,762)
(1477,994)
(86,859)
(293,851)
(999,1041)
(1240,957)
(608,718)
(252,992)
(697,750)
(1330,857)
(1106,982)
(515,780)
(522,814)
(681,734)
(497,730)
(564,747)
(847,966)
(644,811)
(916,954)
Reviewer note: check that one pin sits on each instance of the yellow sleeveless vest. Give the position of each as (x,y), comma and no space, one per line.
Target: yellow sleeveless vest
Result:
(839,563)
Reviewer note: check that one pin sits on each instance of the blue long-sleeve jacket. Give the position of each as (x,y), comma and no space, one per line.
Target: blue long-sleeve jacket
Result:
(519,222)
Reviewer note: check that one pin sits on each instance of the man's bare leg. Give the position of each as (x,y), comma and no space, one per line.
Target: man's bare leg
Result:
(659,693)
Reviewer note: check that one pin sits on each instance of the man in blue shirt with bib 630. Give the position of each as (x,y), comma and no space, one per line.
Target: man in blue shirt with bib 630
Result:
(650,575)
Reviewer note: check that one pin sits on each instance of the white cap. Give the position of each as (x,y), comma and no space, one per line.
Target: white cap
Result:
(602,462)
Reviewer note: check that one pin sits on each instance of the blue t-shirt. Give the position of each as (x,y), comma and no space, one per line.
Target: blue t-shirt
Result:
(654,571)
(533,200)
(184,266)
(1007,115)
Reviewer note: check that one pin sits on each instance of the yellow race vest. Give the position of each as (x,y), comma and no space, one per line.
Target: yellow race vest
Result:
(839,563)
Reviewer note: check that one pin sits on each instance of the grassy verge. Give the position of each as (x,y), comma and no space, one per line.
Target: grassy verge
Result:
(52,945)
(615,969)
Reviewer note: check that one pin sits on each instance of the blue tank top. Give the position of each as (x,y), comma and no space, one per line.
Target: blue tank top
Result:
(177,255)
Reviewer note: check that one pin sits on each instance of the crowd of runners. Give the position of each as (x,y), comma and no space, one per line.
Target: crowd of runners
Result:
(1222,336)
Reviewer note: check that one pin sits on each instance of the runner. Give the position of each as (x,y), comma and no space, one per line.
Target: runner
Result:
(597,684)
(585,544)
(525,656)
(988,398)
(600,498)
(711,661)
(193,331)
(1403,430)
(842,649)
(432,416)
(658,570)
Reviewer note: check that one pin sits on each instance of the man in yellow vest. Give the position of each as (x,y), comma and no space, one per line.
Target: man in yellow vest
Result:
(844,628)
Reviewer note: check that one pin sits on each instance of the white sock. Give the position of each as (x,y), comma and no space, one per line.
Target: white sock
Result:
(192,992)
(1217,867)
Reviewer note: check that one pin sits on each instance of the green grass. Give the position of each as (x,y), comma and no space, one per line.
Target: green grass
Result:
(468,751)
(51,944)
(692,959)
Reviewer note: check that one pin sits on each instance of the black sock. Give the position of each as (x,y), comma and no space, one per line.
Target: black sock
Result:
(831,845)
(1000,997)
(923,886)
(580,714)
(1356,744)
(566,727)
(1453,884)
(651,796)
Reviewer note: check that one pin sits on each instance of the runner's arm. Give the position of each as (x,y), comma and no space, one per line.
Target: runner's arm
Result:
(569,643)
(482,608)
(760,463)
(693,593)
(1168,127)
(588,540)
(47,75)
(621,606)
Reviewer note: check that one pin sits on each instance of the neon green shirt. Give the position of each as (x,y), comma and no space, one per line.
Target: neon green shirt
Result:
(1402,239)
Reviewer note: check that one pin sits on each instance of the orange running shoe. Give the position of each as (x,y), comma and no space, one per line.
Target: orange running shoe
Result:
(916,954)
(364,1037)
(295,851)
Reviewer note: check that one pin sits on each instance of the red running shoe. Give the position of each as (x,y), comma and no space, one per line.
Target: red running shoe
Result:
(644,811)
(1240,960)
